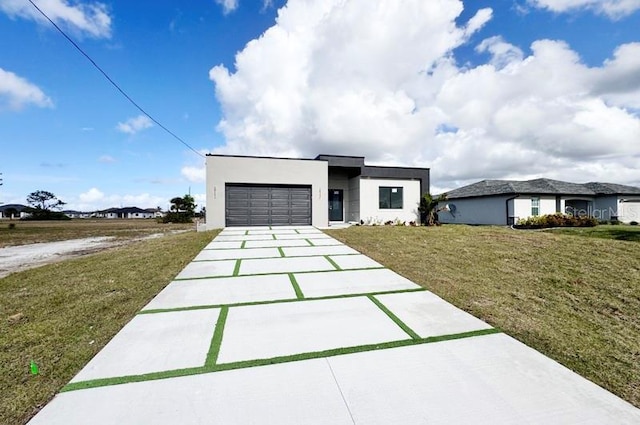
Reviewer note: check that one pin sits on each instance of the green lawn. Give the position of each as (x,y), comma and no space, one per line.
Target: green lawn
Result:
(576,299)
(618,232)
(62,314)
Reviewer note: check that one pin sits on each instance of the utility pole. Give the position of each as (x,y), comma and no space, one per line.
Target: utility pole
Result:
(1,183)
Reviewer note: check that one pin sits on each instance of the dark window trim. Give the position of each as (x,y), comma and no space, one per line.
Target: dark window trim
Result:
(391,204)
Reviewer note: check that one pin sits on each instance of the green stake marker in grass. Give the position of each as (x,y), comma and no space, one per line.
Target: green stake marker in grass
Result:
(34,368)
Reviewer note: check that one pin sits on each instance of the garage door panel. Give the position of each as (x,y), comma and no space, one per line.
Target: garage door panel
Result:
(248,205)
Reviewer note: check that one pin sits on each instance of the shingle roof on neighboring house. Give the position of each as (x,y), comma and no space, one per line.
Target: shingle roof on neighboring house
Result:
(539,187)
(612,189)
(17,207)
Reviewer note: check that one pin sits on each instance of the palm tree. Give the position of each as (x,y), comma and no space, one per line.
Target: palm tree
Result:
(429,209)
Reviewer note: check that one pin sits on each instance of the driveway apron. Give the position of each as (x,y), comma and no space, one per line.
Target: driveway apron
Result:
(287,325)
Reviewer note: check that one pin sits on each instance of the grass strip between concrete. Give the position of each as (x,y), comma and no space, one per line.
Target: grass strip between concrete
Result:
(280,301)
(333,263)
(270,258)
(243,244)
(74,386)
(216,340)
(296,287)
(309,242)
(281,251)
(269,274)
(395,318)
(236,269)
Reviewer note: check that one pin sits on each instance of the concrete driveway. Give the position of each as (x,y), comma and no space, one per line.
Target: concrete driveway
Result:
(289,326)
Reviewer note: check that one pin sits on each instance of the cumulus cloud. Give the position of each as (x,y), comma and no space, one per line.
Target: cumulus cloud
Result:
(16,93)
(135,124)
(94,199)
(614,9)
(88,19)
(228,6)
(194,174)
(348,78)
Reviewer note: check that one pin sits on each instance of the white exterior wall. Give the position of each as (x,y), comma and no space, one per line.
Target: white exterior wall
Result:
(369,200)
(629,210)
(522,206)
(227,169)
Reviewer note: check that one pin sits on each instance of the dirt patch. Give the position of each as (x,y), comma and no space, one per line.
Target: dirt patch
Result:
(22,257)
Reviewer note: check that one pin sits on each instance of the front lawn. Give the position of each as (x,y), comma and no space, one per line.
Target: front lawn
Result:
(62,314)
(621,232)
(575,299)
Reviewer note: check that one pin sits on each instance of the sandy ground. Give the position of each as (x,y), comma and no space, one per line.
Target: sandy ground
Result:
(18,258)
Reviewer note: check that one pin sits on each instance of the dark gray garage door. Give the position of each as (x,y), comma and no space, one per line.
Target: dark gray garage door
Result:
(258,205)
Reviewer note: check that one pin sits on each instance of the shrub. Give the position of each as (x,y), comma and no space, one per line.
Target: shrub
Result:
(634,223)
(176,217)
(555,220)
(12,226)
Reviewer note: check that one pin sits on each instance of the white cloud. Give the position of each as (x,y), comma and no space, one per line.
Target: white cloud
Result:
(92,195)
(194,174)
(106,159)
(16,92)
(135,124)
(90,19)
(347,78)
(94,199)
(228,6)
(614,9)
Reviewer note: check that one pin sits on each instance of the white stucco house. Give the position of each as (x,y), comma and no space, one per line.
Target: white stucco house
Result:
(126,212)
(14,211)
(253,191)
(504,202)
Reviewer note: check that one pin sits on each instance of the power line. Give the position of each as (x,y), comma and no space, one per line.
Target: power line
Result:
(113,83)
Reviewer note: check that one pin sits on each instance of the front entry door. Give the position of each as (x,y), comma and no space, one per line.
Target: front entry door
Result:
(336,205)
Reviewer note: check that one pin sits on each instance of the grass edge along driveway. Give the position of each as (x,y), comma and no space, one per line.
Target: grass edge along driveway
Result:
(575,299)
(62,314)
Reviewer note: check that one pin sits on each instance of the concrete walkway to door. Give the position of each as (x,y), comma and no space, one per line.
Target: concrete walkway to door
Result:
(289,326)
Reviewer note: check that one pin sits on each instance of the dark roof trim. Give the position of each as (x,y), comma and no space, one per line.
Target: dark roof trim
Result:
(260,157)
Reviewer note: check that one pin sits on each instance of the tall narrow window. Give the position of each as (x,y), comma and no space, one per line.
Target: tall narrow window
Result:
(535,205)
(390,198)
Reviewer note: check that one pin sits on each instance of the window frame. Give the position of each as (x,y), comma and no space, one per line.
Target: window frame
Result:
(535,206)
(388,191)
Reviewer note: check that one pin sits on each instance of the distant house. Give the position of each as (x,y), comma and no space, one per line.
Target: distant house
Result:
(76,214)
(12,211)
(127,212)
(502,202)
(157,212)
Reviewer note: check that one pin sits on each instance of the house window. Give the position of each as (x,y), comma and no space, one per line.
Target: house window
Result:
(390,198)
(535,206)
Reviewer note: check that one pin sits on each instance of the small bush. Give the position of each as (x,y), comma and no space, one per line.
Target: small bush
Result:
(634,223)
(175,217)
(555,220)
(12,226)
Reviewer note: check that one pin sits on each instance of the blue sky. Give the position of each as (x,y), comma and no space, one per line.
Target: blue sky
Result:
(473,89)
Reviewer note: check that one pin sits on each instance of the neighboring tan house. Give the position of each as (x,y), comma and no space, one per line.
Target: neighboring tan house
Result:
(250,191)
(12,211)
(504,202)
(126,212)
